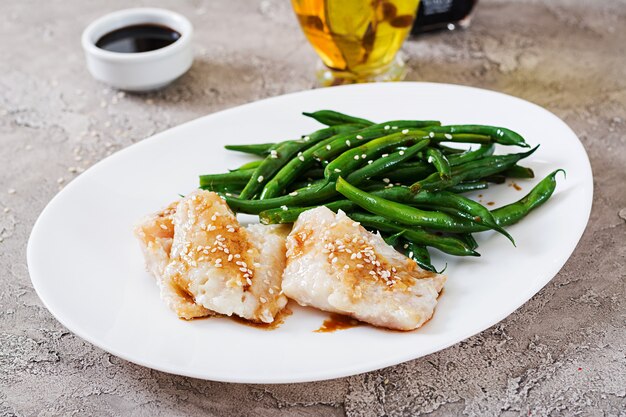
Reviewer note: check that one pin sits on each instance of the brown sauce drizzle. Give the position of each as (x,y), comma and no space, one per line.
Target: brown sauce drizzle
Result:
(491,203)
(278,320)
(337,322)
(514,185)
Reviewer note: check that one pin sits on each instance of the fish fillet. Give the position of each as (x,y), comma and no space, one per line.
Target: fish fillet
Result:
(334,264)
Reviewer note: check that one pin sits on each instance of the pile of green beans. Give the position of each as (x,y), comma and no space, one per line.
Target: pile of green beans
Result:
(400,178)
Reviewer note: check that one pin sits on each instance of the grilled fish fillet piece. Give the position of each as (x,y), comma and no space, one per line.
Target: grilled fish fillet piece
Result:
(334,264)
(156,234)
(227,268)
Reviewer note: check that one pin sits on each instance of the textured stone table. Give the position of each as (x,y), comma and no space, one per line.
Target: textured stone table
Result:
(563,353)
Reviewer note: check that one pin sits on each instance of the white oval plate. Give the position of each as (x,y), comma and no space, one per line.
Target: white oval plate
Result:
(88,270)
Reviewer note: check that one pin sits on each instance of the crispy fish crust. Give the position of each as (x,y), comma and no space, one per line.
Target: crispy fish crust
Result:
(334,264)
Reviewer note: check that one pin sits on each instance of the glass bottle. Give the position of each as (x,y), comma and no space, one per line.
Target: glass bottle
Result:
(443,14)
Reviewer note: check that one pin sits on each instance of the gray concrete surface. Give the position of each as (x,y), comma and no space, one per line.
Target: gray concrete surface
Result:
(563,353)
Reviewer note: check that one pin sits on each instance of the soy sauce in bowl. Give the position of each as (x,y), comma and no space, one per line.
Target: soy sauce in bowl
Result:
(138,38)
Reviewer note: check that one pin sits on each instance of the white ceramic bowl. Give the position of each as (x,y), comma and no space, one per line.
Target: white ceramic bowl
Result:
(141,71)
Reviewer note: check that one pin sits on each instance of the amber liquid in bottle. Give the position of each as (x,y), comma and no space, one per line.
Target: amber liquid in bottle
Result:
(356,36)
(443,14)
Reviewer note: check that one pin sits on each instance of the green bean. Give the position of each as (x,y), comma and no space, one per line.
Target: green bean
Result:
(278,216)
(410,172)
(348,161)
(395,211)
(297,166)
(459,138)
(261,149)
(248,165)
(447,150)
(447,244)
(465,187)
(392,240)
(223,188)
(495,178)
(381,166)
(306,184)
(445,202)
(481,152)
(499,135)
(469,171)
(419,254)
(332,118)
(461,206)
(517,171)
(282,154)
(340,145)
(514,212)
(240,176)
(439,161)
(469,240)
(306,196)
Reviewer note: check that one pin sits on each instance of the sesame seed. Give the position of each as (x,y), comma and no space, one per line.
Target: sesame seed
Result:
(430,159)
(229,195)
(6,210)
(359,137)
(394,127)
(249,281)
(356,157)
(213,217)
(363,155)
(271,291)
(405,131)
(263,300)
(11,191)
(293,193)
(337,170)
(164,227)
(301,158)
(401,153)
(411,254)
(386,180)
(346,266)
(431,134)
(328,147)
(306,138)
(387,127)
(355,224)
(285,208)
(230,257)
(256,265)
(260,179)
(447,136)
(384,155)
